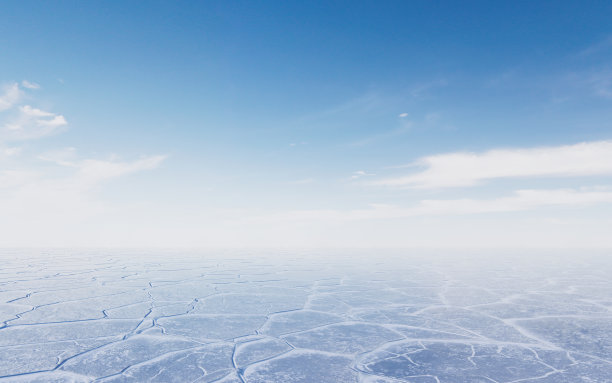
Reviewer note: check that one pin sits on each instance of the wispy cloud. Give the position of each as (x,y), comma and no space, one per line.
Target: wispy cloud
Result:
(462,169)
(595,82)
(25,122)
(600,83)
(421,90)
(600,46)
(405,124)
(31,123)
(29,85)
(10,95)
(94,171)
(361,173)
(521,200)
(63,189)
(90,172)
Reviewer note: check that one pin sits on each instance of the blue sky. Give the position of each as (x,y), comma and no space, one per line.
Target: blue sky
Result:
(394,124)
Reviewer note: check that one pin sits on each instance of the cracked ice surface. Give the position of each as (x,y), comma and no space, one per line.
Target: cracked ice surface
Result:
(127,316)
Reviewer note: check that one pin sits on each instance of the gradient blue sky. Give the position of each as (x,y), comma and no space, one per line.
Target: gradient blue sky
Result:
(349,124)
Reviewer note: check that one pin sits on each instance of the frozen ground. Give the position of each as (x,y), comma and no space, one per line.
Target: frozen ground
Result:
(304,317)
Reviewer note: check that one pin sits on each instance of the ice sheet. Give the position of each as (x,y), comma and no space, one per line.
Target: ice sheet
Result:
(126,316)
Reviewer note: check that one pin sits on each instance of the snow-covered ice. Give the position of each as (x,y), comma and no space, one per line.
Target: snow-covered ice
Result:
(372,317)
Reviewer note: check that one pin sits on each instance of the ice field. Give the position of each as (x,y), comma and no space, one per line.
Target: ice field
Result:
(113,316)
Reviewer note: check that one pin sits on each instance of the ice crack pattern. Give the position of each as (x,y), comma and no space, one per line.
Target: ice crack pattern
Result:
(247,317)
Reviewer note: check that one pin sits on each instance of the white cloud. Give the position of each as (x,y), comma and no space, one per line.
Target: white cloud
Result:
(403,115)
(31,123)
(93,171)
(467,169)
(55,202)
(10,96)
(25,122)
(361,173)
(29,85)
